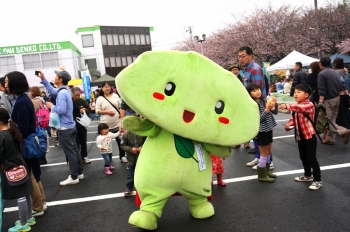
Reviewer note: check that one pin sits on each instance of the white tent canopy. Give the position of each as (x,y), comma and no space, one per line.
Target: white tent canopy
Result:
(289,61)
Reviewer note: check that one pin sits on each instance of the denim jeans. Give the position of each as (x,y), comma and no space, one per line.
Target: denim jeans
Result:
(131,172)
(108,158)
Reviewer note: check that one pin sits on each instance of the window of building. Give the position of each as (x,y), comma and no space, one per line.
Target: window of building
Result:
(148,39)
(50,59)
(110,39)
(137,39)
(143,39)
(115,39)
(132,39)
(7,64)
(121,39)
(113,65)
(107,63)
(87,40)
(104,39)
(91,63)
(31,61)
(129,59)
(124,61)
(126,39)
(119,61)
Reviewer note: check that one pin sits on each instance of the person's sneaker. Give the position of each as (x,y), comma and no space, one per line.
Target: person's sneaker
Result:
(124,160)
(69,181)
(81,176)
(253,162)
(37,213)
(44,207)
(86,160)
(304,178)
(31,221)
(19,227)
(315,185)
(127,193)
(57,144)
(325,141)
(271,166)
(255,167)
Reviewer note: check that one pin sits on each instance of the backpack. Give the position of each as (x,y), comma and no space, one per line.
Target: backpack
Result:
(35,145)
(42,116)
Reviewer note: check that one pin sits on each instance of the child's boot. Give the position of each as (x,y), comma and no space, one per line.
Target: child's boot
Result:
(262,176)
(220,180)
(107,171)
(111,167)
(268,171)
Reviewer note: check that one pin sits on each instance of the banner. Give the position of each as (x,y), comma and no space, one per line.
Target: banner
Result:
(86,84)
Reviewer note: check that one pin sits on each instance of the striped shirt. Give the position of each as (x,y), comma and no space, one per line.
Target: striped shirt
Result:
(267,121)
(306,127)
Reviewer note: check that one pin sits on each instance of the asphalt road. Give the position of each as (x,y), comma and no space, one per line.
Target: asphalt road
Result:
(97,202)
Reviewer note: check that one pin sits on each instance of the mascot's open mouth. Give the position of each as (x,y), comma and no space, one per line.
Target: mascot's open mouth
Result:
(188,116)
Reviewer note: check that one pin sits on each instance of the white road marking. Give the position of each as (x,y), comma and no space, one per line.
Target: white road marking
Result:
(232,180)
(282,120)
(64,163)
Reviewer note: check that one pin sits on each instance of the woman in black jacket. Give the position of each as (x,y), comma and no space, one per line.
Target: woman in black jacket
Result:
(23,114)
(312,81)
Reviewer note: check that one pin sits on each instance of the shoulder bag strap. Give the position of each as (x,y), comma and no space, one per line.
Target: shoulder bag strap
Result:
(314,126)
(112,105)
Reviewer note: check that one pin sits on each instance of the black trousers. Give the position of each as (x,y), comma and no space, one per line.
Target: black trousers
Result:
(121,152)
(81,140)
(307,152)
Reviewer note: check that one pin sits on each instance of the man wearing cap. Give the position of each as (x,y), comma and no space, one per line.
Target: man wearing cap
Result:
(67,131)
(235,70)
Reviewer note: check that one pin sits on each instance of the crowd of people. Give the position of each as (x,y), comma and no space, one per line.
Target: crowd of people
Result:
(323,87)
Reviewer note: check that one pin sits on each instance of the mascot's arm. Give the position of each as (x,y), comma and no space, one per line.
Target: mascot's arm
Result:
(142,127)
(220,151)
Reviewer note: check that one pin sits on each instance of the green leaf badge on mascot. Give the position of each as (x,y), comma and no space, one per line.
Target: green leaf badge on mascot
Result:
(192,108)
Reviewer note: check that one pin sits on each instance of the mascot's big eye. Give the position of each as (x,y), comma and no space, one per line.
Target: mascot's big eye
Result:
(169,88)
(219,107)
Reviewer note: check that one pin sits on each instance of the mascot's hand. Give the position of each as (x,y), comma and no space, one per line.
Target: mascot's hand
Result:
(220,151)
(142,127)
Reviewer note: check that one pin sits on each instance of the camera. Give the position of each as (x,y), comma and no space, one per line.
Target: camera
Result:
(37,73)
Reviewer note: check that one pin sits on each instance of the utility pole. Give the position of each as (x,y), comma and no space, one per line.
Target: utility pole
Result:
(189,29)
(315,4)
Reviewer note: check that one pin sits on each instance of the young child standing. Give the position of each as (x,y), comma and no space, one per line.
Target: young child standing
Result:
(305,133)
(10,157)
(104,143)
(132,145)
(218,169)
(264,137)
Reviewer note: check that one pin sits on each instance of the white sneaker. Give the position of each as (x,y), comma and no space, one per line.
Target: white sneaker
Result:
(86,160)
(124,160)
(255,167)
(253,162)
(271,166)
(69,181)
(81,176)
(45,206)
(315,185)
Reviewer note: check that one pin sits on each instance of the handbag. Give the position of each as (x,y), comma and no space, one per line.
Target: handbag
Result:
(54,120)
(35,145)
(112,105)
(84,120)
(16,176)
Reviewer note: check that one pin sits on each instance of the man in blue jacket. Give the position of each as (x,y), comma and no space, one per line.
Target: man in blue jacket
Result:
(67,131)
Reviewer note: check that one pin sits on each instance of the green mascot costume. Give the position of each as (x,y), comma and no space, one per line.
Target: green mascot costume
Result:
(192,108)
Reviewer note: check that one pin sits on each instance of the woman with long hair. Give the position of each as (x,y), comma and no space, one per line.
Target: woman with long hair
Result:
(108,106)
(22,105)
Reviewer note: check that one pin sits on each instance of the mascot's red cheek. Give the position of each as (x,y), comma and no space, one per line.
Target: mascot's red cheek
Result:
(188,116)
(224,120)
(158,96)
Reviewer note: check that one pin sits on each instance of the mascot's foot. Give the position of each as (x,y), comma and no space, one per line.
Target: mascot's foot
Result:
(202,211)
(144,220)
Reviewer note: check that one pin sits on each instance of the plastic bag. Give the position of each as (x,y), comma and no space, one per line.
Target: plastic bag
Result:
(84,120)
(54,120)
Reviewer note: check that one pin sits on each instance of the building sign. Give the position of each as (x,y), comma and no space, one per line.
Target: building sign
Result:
(32,48)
